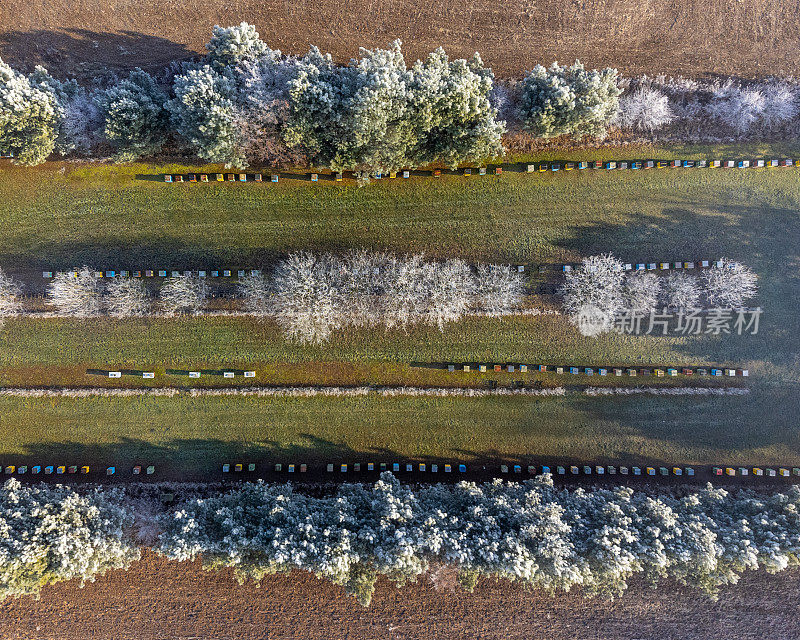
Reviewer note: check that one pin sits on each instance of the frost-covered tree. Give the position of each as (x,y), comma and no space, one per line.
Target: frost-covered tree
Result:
(261,108)
(76,293)
(730,285)
(50,533)
(531,532)
(126,297)
(498,289)
(256,292)
(781,103)
(29,118)
(680,291)
(353,117)
(135,119)
(644,109)
(569,101)
(79,119)
(183,295)
(10,291)
(231,45)
(737,107)
(307,300)
(452,112)
(641,291)
(204,114)
(593,293)
(449,288)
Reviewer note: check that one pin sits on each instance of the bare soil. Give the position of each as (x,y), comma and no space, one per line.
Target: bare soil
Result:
(163,600)
(750,38)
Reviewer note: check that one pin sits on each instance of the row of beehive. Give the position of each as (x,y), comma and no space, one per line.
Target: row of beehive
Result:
(603,371)
(497,170)
(241,273)
(149,375)
(69,469)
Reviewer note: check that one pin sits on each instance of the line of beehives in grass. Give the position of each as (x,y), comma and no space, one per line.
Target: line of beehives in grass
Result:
(658,372)
(520,268)
(83,470)
(423,467)
(536,167)
(532,470)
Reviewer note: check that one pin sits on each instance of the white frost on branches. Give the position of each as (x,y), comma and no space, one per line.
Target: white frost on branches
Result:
(317,294)
(76,293)
(569,101)
(645,109)
(594,291)
(256,292)
(730,285)
(126,298)
(641,291)
(532,532)
(183,295)
(50,533)
(681,291)
(10,290)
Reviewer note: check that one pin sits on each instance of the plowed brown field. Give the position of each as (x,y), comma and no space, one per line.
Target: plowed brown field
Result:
(690,37)
(157,599)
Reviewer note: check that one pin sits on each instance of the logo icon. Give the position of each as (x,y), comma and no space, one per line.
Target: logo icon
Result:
(592,321)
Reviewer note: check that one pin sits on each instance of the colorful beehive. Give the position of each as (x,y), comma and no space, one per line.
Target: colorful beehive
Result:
(482,368)
(274,177)
(48,470)
(503,468)
(462,468)
(251,466)
(651,471)
(623,471)
(587,470)
(599,470)
(437,173)
(238,467)
(314,177)
(758,471)
(357,466)
(85,469)
(110,471)
(468,171)
(448,468)
(637,471)
(150,470)
(167,178)
(574,470)
(258,177)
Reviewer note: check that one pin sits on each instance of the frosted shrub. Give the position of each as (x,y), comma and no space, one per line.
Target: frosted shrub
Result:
(79,117)
(593,293)
(681,291)
(530,532)
(569,101)
(50,533)
(645,109)
(29,118)
(76,293)
(737,107)
(499,289)
(183,295)
(641,291)
(134,117)
(231,45)
(730,285)
(126,297)
(10,291)
(781,103)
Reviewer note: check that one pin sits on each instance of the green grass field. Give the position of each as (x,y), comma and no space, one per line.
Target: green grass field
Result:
(192,436)
(63,215)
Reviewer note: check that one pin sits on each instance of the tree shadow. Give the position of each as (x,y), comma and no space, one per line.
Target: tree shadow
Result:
(89,54)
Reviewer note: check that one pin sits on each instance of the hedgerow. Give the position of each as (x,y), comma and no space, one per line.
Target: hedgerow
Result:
(532,533)
(51,533)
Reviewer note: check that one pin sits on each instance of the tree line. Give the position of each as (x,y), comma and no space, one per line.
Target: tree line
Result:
(533,533)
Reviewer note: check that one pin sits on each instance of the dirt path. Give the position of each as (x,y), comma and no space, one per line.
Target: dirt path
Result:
(690,37)
(162,600)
